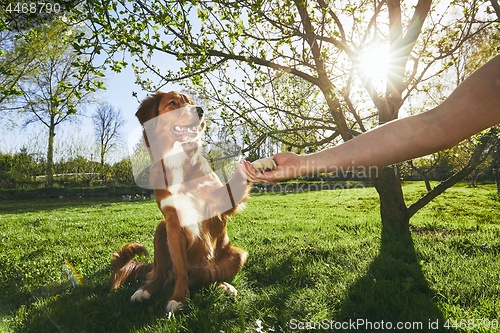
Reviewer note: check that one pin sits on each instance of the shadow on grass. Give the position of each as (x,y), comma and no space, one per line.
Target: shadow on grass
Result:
(393,290)
(85,308)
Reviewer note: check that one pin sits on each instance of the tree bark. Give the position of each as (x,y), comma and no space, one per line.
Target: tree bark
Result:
(49,171)
(393,210)
(497,180)
(496,6)
(103,153)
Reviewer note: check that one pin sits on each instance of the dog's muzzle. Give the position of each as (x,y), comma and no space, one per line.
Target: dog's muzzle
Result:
(199,111)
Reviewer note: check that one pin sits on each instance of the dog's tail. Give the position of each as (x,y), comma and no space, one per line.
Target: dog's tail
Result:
(124,269)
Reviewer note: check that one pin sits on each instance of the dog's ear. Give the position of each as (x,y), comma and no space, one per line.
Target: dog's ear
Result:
(187,99)
(148,108)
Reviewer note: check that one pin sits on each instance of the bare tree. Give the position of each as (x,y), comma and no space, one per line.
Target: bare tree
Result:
(108,123)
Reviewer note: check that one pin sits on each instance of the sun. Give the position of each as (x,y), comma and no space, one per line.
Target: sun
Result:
(373,63)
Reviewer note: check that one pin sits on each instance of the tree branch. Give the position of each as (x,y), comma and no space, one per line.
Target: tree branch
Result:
(478,156)
(496,7)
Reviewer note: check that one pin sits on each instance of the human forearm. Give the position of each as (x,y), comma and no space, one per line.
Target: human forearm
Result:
(391,143)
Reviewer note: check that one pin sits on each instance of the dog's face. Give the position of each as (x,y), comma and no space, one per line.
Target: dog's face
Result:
(170,117)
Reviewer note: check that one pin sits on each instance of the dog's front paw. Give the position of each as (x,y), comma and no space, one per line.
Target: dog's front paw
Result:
(228,289)
(264,164)
(172,307)
(140,295)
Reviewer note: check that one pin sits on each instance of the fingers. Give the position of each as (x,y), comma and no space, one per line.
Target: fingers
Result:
(248,171)
(264,164)
(283,166)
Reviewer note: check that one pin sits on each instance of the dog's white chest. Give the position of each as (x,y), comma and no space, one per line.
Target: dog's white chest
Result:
(189,211)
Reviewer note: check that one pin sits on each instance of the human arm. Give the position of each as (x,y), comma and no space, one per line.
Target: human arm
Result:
(472,107)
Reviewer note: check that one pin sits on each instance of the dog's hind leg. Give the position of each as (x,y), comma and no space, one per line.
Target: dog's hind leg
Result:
(227,265)
(230,262)
(224,266)
(161,274)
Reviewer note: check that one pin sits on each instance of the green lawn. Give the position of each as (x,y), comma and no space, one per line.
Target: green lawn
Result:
(318,260)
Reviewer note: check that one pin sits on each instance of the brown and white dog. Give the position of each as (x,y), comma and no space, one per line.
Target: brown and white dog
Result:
(191,245)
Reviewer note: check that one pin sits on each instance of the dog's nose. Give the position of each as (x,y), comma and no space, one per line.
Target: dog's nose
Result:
(199,110)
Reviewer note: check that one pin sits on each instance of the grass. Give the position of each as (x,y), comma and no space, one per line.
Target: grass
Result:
(317,260)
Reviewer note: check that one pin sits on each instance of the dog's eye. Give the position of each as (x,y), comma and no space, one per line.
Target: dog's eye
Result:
(172,103)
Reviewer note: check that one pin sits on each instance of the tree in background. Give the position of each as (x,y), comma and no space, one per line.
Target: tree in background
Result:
(17,20)
(54,89)
(451,162)
(14,64)
(238,54)
(108,123)
(122,173)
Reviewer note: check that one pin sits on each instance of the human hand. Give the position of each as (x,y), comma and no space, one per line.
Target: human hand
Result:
(249,170)
(287,167)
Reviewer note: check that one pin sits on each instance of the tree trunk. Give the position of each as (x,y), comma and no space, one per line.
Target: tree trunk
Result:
(49,171)
(393,210)
(102,157)
(497,180)
(496,6)
(103,173)
(427,182)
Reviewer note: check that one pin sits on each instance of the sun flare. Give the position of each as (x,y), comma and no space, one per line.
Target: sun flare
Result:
(374,62)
